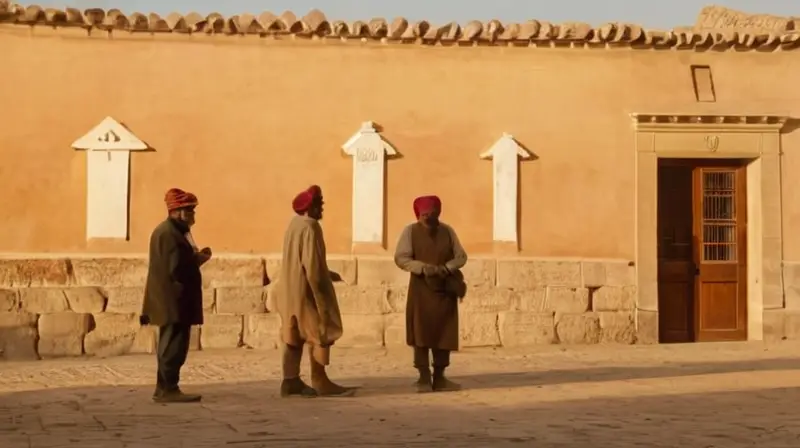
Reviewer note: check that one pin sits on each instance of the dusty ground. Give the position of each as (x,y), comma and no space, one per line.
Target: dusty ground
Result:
(692,396)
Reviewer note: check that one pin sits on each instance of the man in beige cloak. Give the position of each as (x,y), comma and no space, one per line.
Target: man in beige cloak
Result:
(307,302)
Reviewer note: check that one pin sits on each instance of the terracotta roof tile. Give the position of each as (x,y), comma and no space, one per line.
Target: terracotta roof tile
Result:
(715,27)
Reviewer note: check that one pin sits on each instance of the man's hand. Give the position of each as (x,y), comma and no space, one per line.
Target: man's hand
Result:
(429,270)
(203,255)
(435,271)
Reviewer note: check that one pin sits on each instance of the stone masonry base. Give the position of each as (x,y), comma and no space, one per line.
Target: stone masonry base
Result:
(53,307)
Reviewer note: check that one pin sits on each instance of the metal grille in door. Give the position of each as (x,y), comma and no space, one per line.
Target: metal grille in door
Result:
(719,216)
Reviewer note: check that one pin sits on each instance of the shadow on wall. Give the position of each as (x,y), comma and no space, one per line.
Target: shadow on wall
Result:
(251,415)
(792,124)
(335,277)
(533,157)
(26,336)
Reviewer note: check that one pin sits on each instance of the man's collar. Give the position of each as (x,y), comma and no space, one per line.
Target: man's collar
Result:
(180,225)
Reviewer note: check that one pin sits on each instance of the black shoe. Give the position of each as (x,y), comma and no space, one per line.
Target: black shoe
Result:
(176,396)
(423,384)
(442,384)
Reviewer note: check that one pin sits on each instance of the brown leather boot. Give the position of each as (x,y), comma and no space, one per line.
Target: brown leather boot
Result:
(441,383)
(295,387)
(423,384)
(324,386)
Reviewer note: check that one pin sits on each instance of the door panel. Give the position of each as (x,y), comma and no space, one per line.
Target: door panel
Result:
(720,252)
(675,264)
(720,299)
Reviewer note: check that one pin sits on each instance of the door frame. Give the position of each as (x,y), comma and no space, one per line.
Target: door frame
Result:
(693,204)
(754,138)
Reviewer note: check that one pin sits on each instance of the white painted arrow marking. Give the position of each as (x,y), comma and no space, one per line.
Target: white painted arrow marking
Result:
(369,151)
(109,146)
(505,155)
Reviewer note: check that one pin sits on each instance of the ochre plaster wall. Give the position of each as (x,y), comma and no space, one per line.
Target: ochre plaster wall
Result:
(790,177)
(245,123)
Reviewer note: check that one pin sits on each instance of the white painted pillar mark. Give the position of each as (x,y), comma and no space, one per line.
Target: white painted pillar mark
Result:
(108,147)
(369,151)
(505,155)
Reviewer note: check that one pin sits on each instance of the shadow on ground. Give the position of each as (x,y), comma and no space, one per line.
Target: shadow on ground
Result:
(395,385)
(497,410)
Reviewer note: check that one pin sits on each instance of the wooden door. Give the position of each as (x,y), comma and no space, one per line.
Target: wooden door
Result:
(676,268)
(720,252)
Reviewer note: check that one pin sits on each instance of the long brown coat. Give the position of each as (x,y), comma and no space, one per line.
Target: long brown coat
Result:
(431,310)
(306,299)
(174,289)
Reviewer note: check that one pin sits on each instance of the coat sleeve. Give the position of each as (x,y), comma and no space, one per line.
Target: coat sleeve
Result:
(459,254)
(404,254)
(312,257)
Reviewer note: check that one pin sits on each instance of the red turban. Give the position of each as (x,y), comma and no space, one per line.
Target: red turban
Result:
(177,198)
(427,204)
(303,201)
(315,191)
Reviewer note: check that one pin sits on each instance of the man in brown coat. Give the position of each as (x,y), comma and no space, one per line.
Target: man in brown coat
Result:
(173,298)
(431,252)
(307,302)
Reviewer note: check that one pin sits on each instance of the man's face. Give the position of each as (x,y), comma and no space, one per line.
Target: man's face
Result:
(430,218)
(316,209)
(186,215)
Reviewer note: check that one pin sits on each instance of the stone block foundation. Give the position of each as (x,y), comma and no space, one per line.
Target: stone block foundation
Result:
(58,307)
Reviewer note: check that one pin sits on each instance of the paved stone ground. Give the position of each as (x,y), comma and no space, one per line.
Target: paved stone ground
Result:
(701,395)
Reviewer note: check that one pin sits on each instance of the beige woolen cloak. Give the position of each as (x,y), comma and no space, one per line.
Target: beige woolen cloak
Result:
(306,299)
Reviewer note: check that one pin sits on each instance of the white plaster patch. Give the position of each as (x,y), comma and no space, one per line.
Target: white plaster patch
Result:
(107,194)
(369,151)
(108,148)
(505,154)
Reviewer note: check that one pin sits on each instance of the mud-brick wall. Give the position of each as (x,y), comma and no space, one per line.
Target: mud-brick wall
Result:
(90,306)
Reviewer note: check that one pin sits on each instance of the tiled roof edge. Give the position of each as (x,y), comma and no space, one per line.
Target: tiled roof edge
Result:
(756,34)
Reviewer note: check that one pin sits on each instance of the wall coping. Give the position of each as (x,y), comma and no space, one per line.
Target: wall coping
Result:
(702,122)
(717,28)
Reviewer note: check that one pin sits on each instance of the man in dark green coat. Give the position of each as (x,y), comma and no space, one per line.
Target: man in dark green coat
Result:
(173,298)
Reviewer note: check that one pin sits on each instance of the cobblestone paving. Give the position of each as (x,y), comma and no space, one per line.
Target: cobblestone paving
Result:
(694,396)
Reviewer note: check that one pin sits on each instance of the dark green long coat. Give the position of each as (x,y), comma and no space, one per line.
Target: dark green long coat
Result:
(174,290)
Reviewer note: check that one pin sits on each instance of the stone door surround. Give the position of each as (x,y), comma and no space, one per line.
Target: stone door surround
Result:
(752,137)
